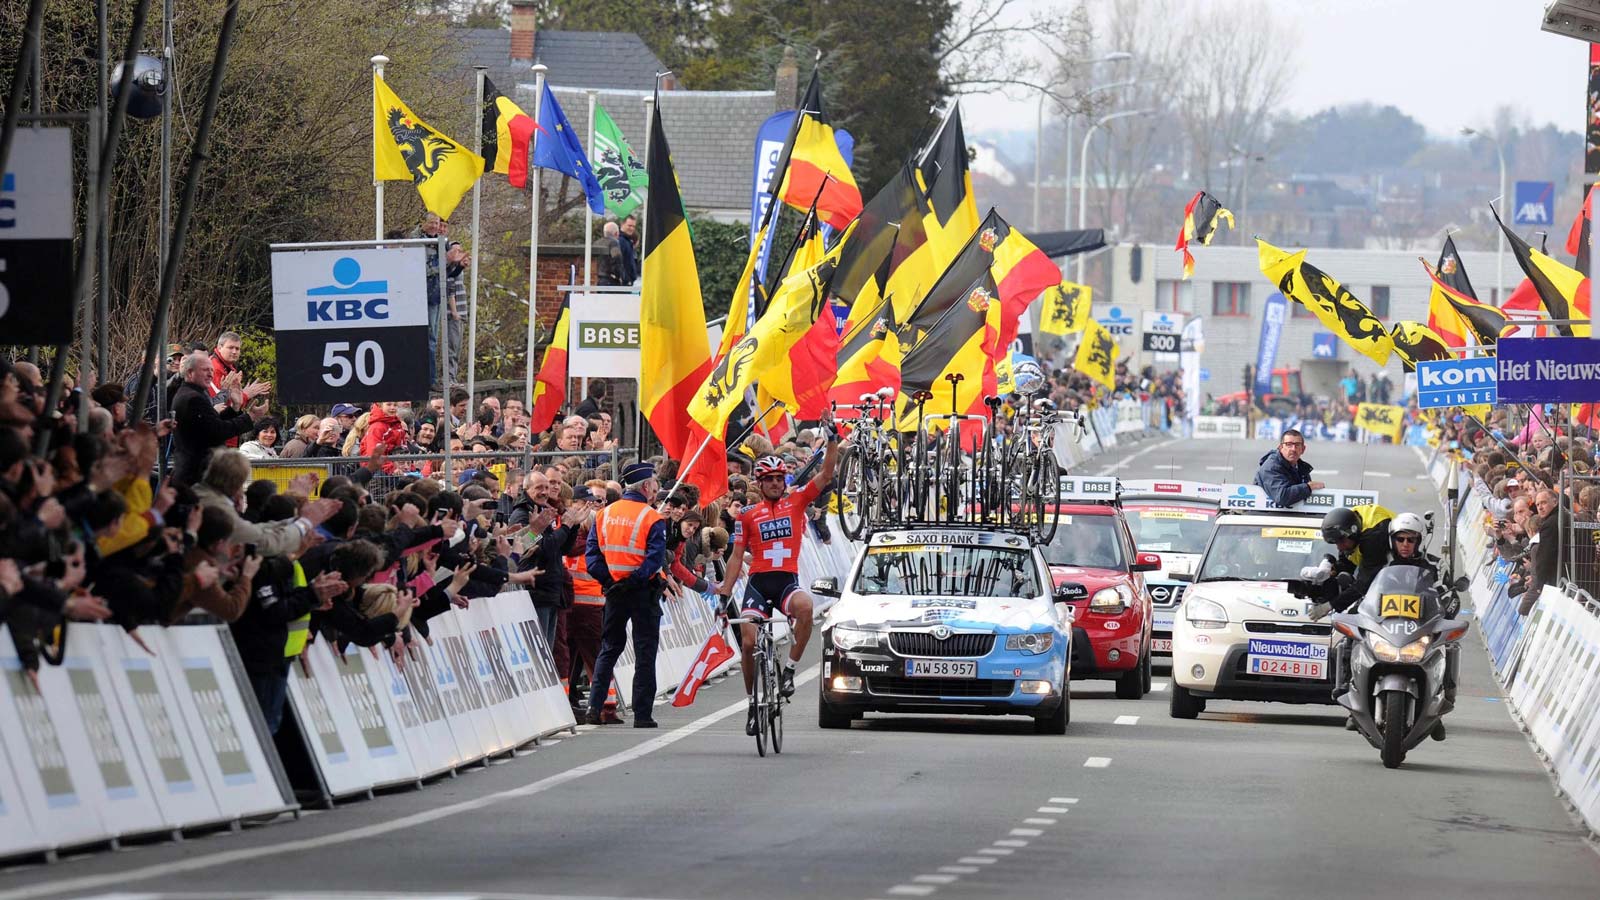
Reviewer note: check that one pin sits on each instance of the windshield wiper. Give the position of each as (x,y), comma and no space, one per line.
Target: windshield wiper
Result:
(1228,578)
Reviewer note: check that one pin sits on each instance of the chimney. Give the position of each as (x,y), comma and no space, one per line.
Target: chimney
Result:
(524,27)
(786,81)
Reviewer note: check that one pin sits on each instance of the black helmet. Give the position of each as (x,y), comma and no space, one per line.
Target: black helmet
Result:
(1339,524)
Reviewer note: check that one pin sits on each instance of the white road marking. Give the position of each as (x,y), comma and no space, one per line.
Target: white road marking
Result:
(961,870)
(88,883)
(977,860)
(1010,842)
(1026,832)
(1132,456)
(1423,477)
(1219,468)
(1052,809)
(1097,762)
(1327,471)
(912,890)
(1039,821)
(1168,466)
(1380,475)
(934,879)
(998,851)
(1067,800)
(1158,686)
(1127,720)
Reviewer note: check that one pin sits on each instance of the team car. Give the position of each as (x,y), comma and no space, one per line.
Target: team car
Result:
(1240,634)
(945,620)
(1100,575)
(1172,519)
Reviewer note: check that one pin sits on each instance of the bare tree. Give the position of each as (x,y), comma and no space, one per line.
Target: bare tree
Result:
(998,45)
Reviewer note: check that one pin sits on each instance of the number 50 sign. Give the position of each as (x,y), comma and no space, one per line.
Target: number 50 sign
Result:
(351,322)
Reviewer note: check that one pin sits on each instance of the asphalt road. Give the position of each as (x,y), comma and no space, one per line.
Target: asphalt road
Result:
(1251,800)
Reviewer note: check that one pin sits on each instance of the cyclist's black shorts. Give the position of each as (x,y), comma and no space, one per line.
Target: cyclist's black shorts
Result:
(766,590)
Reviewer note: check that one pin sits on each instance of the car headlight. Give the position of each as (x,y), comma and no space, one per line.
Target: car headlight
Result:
(1387,652)
(1032,644)
(1205,614)
(855,638)
(1111,600)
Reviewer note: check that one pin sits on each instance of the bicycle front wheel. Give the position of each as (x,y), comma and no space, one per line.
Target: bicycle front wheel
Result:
(777,723)
(1046,490)
(764,688)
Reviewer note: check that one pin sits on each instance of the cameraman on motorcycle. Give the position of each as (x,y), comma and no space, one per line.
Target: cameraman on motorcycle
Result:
(1361,535)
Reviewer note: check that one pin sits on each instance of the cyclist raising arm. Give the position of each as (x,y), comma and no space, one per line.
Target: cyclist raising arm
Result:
(771,530)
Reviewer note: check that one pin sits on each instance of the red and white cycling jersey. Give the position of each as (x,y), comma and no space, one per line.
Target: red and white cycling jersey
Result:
(772,531)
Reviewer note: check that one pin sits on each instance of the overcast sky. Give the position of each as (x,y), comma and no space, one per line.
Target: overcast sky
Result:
(1444,62)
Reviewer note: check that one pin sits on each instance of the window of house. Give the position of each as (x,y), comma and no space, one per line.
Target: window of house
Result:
(1174,296)
(1379,301)
(1230,298)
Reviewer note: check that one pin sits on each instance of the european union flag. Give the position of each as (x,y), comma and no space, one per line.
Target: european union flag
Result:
(558,147)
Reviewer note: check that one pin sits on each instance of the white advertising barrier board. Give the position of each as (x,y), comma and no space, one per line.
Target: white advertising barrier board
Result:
(1218,427)
(227,732)
(449,631)
(148,700)
(365,679)
(322,710)
(532,666)
(422,722)
(18,836)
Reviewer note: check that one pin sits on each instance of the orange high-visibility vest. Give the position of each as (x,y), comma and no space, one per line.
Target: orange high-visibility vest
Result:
(585,588)
(623,528)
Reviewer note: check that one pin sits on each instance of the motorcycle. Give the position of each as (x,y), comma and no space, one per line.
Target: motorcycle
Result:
(1403,632)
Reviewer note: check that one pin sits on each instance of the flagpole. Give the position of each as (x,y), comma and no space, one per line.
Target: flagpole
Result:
(588,211)
(695,457)
(378,62)
(533,237)
(472,301)
(643,211)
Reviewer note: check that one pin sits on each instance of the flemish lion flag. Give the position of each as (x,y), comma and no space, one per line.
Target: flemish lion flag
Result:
(1415,342)
(1066,308)
(1379,418)
(550,392)
(1336,308)
(673,356)
(507,131)
(1200,220)
(1097,355)
(405,148)
(621,174)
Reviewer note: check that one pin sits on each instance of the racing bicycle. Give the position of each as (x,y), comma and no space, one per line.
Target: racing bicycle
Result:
(769,700)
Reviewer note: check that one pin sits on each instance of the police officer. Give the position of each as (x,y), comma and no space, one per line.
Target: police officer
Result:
(626,552)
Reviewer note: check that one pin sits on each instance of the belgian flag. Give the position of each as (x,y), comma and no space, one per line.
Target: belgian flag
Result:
(1454,316)
(550,389)
(673,356)
(944,178)
(888,233)
(1200,219)
(813,170)
(869,356)
(1563,290)
(1415,342)
(507,132)
(1578,235)
(1451,270)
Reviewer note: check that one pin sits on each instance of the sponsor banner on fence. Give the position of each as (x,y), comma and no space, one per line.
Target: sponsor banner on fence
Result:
(1219,427)
(1548,370)
(1455,382)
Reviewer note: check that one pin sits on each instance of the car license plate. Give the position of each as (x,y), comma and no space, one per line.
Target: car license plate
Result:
(1160,645)
(941,668)
(1288,659)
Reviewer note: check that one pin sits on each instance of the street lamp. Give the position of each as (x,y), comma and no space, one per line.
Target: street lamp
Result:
(1038,141)
(1083,167)
(1500,254)
(1244,180)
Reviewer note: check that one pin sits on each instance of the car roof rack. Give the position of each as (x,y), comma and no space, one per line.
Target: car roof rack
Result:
(985,534)
(1249,498)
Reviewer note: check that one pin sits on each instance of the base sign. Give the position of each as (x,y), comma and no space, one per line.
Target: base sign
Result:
(36,229)
(1455,382)
(352,324)
(1548,370)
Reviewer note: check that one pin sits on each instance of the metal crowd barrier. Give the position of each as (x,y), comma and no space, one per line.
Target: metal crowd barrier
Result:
(602,464)
(1547,663)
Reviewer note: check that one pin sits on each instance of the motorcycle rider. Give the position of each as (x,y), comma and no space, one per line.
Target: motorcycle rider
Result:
(1361,535)
(1408,535)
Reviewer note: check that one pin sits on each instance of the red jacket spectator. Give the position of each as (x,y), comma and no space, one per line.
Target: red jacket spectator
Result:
(385,434)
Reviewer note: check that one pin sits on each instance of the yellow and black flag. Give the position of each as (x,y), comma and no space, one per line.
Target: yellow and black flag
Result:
(1066,308)
(1097,355)
(405,148)
(1335,307)
(946,181)
(1561,289)
(1200,220)
(1415,342)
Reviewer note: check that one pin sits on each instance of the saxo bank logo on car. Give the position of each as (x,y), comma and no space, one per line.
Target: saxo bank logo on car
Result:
(352,323)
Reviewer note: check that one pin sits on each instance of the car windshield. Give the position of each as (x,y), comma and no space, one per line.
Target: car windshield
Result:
(1261,552)
(1088,541)
(945,571)
(1170,529)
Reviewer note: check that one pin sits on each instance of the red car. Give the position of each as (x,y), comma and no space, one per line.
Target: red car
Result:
(1100,575)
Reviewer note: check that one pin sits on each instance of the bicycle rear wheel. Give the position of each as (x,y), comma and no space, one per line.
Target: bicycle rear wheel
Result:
(1046,491)
(777,723)
(852,495)
(763,691)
